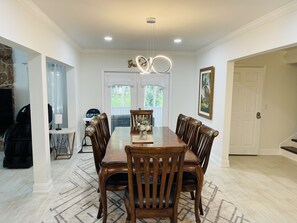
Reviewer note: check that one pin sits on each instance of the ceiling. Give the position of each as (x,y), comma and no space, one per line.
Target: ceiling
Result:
(196,22)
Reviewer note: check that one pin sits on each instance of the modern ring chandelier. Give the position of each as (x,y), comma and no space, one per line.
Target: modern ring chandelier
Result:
(146,64)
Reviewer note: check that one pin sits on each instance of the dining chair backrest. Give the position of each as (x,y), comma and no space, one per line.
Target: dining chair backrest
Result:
(181,125)
(191,128)
(154,180)
(97,123)
(105,127)
(97,145)
(136,115)
(201,145)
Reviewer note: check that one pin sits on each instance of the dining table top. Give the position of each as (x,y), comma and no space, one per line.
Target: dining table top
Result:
(161,137)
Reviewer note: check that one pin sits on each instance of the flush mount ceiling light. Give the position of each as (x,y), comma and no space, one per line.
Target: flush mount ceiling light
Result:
(108,38)
(177,40)
(146,64)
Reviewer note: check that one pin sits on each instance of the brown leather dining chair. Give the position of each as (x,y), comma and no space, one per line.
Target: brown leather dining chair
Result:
(201,146)
(136,114)
(116,182)
(155,176)
(181,125)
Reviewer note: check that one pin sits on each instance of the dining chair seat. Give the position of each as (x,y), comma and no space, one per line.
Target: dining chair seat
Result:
(116,180)
(136,197)
(189,179)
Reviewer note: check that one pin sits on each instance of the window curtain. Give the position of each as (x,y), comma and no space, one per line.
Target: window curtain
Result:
(57,90)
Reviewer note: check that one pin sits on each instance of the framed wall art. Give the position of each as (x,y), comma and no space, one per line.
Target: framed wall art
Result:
(206,87)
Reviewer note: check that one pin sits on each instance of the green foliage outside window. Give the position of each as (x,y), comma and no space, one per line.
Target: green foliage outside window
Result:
(121,96)
(154,96)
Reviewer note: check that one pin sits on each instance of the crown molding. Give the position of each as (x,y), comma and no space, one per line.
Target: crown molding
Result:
(284,10)
(290,56)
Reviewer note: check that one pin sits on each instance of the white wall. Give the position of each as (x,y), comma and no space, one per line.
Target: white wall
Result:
(264,35)
(183,93)
(21,82)
(279,104)
(28,29)
(31,29)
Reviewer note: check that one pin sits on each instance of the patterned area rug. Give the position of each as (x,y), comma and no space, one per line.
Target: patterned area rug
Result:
(78,202)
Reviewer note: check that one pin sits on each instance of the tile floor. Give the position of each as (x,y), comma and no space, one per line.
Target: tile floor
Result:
(263,187)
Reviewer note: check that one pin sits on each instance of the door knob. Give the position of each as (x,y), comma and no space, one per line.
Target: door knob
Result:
(258,115)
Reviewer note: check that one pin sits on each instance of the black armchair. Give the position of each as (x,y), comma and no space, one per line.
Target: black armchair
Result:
(18,140)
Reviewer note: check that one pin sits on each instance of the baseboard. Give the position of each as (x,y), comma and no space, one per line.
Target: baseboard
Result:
(218,161)
(42,187)
(225,163)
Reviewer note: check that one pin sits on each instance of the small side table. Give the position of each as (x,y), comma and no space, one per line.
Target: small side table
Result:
(61,143)
(84,140)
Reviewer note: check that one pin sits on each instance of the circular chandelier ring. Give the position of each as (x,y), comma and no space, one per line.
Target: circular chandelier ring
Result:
(164,58)
(146,61)
(150,64)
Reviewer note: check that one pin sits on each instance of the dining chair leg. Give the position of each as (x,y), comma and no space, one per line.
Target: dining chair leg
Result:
(103,199)
(200,207)
(173,219)
(128,211)
(196,206)
(133,219)
(100,209)
(200,177)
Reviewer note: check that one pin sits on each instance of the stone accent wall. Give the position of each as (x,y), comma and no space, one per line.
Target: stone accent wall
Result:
(6,66)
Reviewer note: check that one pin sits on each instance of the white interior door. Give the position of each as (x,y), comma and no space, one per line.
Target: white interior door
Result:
(246,110)
(126,90)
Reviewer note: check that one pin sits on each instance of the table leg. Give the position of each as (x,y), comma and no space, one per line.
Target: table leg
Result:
(200,178)
(71,146)
(102,186)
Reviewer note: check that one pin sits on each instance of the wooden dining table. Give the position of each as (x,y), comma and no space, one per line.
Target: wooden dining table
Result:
(115,159)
